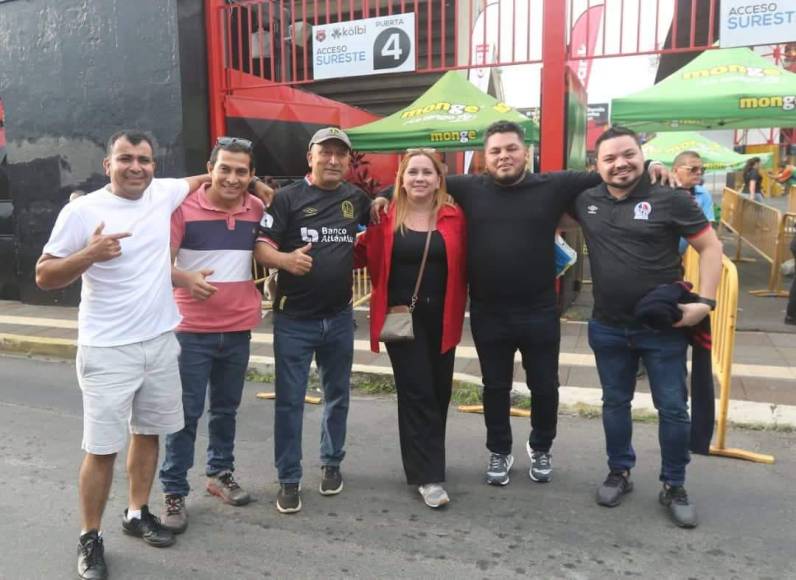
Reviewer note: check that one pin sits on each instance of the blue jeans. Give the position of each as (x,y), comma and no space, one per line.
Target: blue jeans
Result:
(220,360)
(617,351)
(331,340)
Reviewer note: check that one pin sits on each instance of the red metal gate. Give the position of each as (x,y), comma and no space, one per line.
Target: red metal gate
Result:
(256,43)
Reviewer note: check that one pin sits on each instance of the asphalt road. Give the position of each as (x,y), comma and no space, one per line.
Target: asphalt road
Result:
(378,527)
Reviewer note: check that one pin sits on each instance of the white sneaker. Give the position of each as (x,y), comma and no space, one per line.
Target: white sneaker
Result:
(434,495)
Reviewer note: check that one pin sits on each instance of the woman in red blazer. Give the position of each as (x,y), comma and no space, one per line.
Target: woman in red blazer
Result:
(423,367)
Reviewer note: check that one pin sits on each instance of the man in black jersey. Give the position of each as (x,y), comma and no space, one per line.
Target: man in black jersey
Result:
(512,216)
(632,230)
(308,233)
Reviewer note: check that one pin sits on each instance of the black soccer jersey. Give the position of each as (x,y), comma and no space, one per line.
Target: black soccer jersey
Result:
(302,213)
(633,243)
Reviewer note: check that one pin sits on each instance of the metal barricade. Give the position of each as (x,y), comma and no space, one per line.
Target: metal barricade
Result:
(362,287)
(723,322)
(762,228)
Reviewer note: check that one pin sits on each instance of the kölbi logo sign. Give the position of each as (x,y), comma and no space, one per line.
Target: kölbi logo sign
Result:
(750,22)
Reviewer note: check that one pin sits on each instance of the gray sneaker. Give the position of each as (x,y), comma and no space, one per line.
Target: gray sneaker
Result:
(615,486)
(174,515)
(224,486)
(434,495)
(541,465)
(331,480)
(681,510)
(288,500)
(497,473)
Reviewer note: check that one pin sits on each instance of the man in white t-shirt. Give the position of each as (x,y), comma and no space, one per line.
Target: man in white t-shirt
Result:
(117,240)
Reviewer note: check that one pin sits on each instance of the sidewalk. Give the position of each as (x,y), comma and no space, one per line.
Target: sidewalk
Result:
(763,386)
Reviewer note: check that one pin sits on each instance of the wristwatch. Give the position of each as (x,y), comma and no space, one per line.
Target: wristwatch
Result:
(710,302)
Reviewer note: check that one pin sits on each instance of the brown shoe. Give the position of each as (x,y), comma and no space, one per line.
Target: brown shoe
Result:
(174,515)
(225,487)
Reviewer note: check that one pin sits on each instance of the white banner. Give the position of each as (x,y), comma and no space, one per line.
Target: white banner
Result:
(754,22)
(364,47)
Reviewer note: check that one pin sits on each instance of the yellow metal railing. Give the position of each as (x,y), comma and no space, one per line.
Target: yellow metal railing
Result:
(361,287)
(723,322)
(761,227)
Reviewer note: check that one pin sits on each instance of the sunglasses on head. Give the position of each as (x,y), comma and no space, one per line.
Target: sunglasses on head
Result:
(227,141)
(426,150)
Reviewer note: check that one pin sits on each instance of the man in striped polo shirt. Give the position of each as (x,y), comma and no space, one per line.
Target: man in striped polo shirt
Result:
(212,238)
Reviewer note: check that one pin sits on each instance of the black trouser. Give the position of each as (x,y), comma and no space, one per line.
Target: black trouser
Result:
(498,334)
(423,380)
(791,312)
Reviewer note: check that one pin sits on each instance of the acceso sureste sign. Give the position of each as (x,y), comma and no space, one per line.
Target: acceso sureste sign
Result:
(363,47)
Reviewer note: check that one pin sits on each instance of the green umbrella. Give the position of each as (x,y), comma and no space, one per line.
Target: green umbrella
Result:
(666,146)
(731,88)
(452,114)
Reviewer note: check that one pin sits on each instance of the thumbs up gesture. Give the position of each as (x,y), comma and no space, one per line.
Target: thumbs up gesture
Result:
(103,247)
(298,262)
(198,285)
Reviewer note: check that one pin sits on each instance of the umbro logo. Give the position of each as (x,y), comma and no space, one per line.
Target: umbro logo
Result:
(592,209)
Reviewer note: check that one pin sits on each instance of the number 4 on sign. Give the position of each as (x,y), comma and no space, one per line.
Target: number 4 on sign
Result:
(392,47)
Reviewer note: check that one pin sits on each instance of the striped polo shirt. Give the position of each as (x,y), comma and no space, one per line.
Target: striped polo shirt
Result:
(206,237)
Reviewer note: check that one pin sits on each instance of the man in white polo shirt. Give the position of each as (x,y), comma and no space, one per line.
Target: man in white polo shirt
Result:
(117,240)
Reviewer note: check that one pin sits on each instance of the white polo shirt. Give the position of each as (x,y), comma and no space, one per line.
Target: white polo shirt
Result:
(127,299)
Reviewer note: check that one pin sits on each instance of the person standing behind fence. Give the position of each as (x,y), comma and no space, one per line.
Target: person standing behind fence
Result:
(790,313)
(308,235)
(631,229)
(212,238)
(423,367)
(689,170)
(752,179)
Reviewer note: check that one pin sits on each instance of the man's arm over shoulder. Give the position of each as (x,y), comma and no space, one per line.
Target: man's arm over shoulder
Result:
(460,185)
(571,184)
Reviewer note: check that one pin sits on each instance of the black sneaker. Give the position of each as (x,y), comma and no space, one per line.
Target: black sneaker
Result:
(288,500)
(497,472)
(331,480)
(148,528)
(91,557)
(541,465)
(682,511)
(616,485)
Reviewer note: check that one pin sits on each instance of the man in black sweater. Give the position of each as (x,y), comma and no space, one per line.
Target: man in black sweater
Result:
(512,216)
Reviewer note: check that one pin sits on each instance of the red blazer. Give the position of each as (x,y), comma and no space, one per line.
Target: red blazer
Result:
(374,250)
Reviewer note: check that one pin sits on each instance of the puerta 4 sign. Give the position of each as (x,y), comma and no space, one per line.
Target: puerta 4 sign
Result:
(362,47)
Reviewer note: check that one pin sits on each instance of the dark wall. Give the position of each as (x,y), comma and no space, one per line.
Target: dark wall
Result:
(72,73)
(193,73)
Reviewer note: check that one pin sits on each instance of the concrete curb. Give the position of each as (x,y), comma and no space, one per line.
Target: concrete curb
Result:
(38,346)
(745,413)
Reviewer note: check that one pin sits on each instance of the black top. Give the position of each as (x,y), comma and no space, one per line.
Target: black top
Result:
(302,213)
(633,243)
(751,175)
(510,233)
(407,252)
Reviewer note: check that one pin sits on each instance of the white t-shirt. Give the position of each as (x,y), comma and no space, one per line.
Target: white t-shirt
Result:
(127,299)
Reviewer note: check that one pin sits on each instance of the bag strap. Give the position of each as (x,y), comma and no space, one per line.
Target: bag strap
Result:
(422,269)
